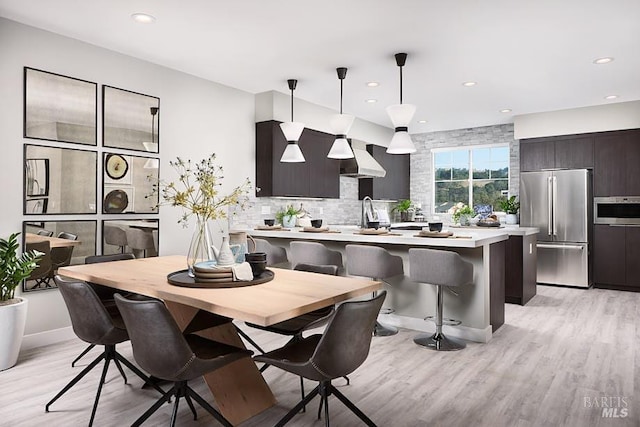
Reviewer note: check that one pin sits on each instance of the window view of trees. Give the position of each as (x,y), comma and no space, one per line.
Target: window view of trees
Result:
(471,176)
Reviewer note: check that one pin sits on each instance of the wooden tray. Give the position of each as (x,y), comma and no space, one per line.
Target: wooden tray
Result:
(372,231)
(182,278)
(271,228)
(440,234)
(315,229)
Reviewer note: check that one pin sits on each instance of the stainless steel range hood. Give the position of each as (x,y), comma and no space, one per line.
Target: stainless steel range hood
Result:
(363,165)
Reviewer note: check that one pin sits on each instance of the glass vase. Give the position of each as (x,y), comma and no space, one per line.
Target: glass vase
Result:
(200,247)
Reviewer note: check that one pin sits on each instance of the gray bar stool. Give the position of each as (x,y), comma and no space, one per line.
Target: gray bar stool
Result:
(439,268)
(275,254)
(378,264)
(314,253)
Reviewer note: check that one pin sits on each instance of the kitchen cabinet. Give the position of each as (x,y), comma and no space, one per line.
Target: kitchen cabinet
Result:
(395,184)
(520,269)
(615,257)
(558,152)
(617,156)
(318,176)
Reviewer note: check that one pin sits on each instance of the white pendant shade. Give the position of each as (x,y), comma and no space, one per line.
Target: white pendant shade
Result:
(292,154)
(292,131)
(340,149)
(152,164)
(401,114)
(151,147)
(341,123)
(401,143)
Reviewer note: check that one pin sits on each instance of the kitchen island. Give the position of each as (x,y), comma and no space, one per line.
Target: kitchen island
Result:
(480,306)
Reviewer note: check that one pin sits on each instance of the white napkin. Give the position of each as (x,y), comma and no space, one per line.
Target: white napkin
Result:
(242,272)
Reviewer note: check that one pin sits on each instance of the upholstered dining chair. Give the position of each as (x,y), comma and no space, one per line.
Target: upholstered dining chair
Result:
(42,273)
(61,256)
(275,255)
(115,236)
(339,351)
(165,352)
(105,293)
(45,233)
(139,241)
(93,324)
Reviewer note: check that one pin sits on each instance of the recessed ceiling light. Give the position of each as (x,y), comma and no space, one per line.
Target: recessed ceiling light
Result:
(611,97)
(371,101)
(505,110)
(422,121)
(469,84)
(373,84)
(143,18)
(604,60)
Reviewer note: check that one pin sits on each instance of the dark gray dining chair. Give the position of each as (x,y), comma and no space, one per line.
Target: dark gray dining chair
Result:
(93,324)
(161,349)
(42,273)
(339,351)
(45,233)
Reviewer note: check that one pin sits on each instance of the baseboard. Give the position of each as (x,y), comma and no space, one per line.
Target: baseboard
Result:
(464,332)
(41,339)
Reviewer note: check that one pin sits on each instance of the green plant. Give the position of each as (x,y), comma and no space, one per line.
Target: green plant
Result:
(402,206)
(13,268)
(510,205)
(289,210)
(461,209)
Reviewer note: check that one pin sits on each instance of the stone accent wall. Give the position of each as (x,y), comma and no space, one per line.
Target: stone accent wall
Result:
(422,160)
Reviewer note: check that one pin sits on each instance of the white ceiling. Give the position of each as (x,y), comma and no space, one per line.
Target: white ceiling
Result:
(529,56)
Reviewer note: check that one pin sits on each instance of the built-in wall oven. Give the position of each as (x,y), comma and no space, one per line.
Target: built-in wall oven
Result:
(616,210)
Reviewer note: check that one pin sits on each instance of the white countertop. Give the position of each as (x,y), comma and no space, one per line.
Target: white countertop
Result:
(511,230)
(463,238)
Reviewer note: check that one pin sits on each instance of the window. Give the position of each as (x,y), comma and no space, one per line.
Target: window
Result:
(473,176)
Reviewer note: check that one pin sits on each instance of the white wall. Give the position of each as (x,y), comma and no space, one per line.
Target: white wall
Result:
(600,118)
(198,117)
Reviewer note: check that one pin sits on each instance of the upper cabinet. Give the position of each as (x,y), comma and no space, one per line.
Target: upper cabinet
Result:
(560,152)
(617,156)
(318,176)
(395,184)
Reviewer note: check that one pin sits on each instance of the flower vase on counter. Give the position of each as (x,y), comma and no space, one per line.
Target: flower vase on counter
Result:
(200,248)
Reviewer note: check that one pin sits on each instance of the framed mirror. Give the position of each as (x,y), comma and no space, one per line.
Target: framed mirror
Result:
(62,242)
(128,184)
(137,236)
(130,120)
(59,108)
(59,180)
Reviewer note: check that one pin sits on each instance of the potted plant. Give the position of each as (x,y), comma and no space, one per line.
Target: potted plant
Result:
(404,208)
(288,216)
(511,207)
(462,214)
(13,311)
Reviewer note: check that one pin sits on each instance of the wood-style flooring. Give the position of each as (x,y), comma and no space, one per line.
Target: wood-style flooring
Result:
(565,347)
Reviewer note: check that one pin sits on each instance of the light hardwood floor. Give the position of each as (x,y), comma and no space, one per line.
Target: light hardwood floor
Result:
(564,346)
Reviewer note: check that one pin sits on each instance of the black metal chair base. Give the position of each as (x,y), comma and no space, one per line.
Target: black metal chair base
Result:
(325,389)
(439,342)
(181,389)
(384,330)
(85,351)
(107,355)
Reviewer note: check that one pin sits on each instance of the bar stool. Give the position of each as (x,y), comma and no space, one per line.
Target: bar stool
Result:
(378,264)
(439,268)
(275,254)
(314,253)
(139,241)
(115,236)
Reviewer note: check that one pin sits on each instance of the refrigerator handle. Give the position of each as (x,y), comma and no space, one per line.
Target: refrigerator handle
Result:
(549,207)
(555,204)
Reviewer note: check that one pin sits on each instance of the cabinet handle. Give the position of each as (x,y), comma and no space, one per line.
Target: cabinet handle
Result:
(576,247)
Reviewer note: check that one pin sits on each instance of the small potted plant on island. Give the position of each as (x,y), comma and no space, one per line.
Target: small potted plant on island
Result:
(461,214)
(511,207)
(13,311)
(288,216)
(404,208)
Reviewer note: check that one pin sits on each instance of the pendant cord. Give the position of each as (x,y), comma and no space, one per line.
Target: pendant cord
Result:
(291,105)
(340,96)
(400,85)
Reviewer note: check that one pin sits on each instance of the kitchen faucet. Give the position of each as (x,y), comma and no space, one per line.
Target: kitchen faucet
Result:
(368,212)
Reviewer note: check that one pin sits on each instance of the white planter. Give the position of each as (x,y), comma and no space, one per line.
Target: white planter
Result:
(289,221)
(13,317)
(511,218)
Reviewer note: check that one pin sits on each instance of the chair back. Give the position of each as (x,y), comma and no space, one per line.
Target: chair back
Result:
(275,254)
(44,264)
(158,344)
(139,239)
(46,233)
(345,343)
(115,236)
(61,256)
(314,253)
(372,261)
(331,270)
(90,320)
(94,259)
(66,235)
(438,267)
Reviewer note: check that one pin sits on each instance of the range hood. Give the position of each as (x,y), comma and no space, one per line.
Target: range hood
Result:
(363,165)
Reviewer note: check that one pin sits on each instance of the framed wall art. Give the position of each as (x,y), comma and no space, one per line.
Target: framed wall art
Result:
(59,108)
(128,184)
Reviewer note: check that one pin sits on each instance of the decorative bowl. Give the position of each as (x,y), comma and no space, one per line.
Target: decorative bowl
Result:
(269,222)
(435,226)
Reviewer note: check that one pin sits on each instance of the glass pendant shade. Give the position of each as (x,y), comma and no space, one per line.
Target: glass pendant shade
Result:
(292,153)
(401,143)
(341,124)
(292,130)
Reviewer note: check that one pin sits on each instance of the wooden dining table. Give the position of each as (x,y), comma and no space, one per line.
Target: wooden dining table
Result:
(54,242)
(239,389)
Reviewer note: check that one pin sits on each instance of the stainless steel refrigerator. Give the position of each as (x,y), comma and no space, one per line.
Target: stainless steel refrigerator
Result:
(559,204)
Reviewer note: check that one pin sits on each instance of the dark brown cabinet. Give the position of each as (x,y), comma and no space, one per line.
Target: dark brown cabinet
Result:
(616,257)
(318,176)
(558,152)
(395,184)
(617,160)
(520,269)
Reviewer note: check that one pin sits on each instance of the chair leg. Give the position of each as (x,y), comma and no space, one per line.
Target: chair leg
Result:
(85,351)
(381,330)
(140,374)
(341,397)
(190,403)
(326,390)
(347,380)
(217,415)
(439,341)
(153,408)
(320,406)
(298,407)
(244,335)
(174,413)
(304,408)
(102,378)
(73,382)
(117,363)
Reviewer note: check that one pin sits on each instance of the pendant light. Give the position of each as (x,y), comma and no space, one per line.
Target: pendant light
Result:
(292,131)
(401,115)
(153,145)
(341,123)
